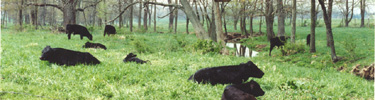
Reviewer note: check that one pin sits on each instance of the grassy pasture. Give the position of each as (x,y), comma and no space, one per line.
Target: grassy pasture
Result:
(300,76)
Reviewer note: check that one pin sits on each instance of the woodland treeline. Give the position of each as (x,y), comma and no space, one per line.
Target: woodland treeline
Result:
(209,18)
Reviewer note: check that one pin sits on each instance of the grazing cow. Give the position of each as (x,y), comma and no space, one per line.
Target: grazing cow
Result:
(77,29)
(234,74)
(246,91)
(109,29)
(67,57)
(308,40)
(133,58)
(94,45)
(279,42)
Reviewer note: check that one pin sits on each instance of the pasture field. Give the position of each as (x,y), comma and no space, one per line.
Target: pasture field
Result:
(173,59)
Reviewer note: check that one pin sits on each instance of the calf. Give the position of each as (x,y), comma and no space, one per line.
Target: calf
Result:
(109,29)
(94,45)
(246,91)
(308,40)
(67,57)
(234,74)
(277,41)
(77,29)
(133,58)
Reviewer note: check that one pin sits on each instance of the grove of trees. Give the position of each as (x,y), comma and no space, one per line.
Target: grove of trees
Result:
(208,18)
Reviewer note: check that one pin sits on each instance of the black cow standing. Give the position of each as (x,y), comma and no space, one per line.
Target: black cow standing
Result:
(94,45)
(277,41)
(234,74)
(245,91)
(308,40)
(133,58)
(77,29)
(109,29)
(67,57)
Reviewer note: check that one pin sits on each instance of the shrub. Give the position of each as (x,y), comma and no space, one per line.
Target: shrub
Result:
(206,46)
(140,45)
(181,40)
(294,48)
(349,46)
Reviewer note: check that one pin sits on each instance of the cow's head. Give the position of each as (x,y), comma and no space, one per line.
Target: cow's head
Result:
(46,53)
(252,70)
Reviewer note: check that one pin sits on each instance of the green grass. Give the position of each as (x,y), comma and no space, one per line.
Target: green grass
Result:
(166,76)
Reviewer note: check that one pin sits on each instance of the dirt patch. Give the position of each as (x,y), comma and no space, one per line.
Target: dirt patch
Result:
(233,37)
(366,72)
(260,46)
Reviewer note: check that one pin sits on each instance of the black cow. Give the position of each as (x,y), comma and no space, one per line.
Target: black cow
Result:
(77,29)
(234,74)
(133,58)
(94,45)
(109,29)
(67,57)
(277,41)
(246,91)
(308,40)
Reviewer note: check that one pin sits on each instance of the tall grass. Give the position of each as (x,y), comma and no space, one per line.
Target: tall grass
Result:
(298,76)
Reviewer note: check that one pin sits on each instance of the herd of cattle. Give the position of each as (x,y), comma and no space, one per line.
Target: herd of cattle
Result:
(232,74)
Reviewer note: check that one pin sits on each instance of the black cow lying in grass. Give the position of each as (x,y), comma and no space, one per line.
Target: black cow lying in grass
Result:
(94,45)
(77,29)
(67,57)
(133,58)
(246,91)
(308,40)
(279,42)
(109,29)
(234,74)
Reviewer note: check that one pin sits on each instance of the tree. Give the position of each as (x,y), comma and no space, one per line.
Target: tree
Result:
(20,7)
(140,14)
(294,15)
(69,9)
(327,20)
(348,12)
(131,17)
(363,8)
(219,29)
(280,18)
(171,17)
(269,19)
(312,29)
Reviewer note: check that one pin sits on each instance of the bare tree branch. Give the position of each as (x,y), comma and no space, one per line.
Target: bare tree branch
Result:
(43,5)
(92,5)
(145,3)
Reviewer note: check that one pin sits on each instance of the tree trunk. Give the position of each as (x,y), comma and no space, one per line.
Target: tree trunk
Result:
(260,18)
(280,18)
(34,15)
(251,18)
(119,10)
(294,15)
(20,21)
(187,25)
(327,21)
(269,19)
(235,21)
(176,18)
(218,25)
(131,17)
(155,17)
(243,19)
(140,14)
(145,17)
(171,17)
(69,12)
(198,27)
(212,29)
(312,29)
(363,7)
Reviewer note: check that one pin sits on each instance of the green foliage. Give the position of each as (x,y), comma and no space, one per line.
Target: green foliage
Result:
(141,46)
(181,40)
(294,48)
(350,47)
(206,46)
(302,76)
